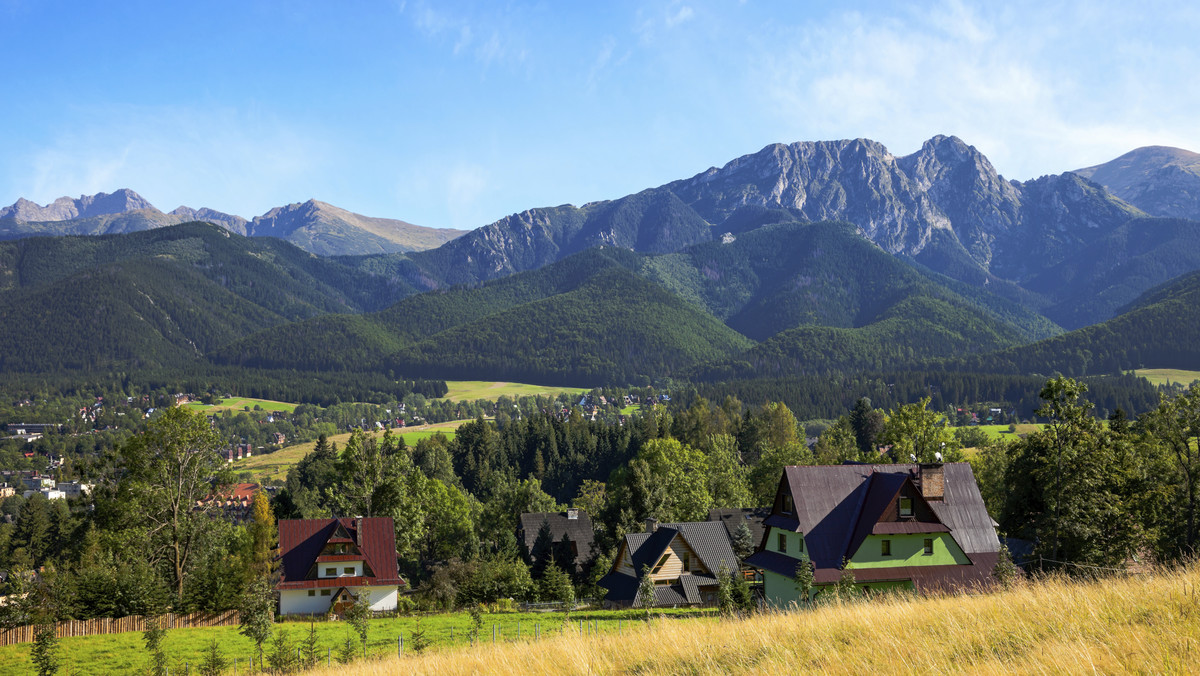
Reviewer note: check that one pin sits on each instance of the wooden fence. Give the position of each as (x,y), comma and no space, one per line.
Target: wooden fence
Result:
(117,625)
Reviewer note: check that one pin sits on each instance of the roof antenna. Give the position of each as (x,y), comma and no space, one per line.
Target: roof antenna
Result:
(912,456)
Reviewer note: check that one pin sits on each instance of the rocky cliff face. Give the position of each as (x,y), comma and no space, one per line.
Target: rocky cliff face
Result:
(86,206)
(228,221)
(1159,180)
(901,202)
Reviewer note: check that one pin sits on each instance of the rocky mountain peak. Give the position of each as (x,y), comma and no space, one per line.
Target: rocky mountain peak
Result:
(86,206)
(1160,180)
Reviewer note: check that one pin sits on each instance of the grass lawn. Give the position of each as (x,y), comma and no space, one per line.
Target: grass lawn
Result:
(1168,376)
(239,404)
(273,467)
(470,390)
(126,653)
(1000,432)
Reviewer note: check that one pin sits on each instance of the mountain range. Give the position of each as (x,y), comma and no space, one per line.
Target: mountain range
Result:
(314,226)
(808,258)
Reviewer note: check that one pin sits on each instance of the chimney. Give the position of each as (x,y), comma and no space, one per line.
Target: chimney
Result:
(651,525)
(933,482)
(358,530)
(572,514)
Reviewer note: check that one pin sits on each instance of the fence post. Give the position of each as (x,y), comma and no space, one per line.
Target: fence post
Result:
(493,634)
(400,645)
(328,657)
(518,630)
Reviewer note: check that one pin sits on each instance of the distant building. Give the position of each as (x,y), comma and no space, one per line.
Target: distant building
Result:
(541,535)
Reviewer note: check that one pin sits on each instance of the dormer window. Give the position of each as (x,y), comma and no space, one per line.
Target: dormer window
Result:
(787,504)
(906,508)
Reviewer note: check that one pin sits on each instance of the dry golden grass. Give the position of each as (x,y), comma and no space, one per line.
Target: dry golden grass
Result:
(1143,625)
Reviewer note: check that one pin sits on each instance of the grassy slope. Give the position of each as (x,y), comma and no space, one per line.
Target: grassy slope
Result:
(273,467)
(1168,376)
(239,404)
(126,653)
(1137,625)
(473,390)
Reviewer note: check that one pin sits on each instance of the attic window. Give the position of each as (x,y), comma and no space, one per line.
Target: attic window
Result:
(906,507)
(687,562)
(661,562)
(885,547)
(787,504)
(928,545)
(783,542)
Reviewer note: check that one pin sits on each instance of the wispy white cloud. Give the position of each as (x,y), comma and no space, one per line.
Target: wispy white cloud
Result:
(1009,80)
(491,38)
(174,155)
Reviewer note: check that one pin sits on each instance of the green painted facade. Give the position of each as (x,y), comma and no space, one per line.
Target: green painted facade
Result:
(908,550)
(781,592)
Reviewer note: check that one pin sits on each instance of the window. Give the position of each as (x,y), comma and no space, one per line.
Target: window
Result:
(348,570)
(885,547)
(928,545)
(783,542)
(906,507)
(787,504)
(661,562)
(801,544)
(324,592)
(687,562)
(312,592)
(331,572)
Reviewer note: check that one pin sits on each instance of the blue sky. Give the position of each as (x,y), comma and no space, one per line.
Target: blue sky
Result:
(457,114)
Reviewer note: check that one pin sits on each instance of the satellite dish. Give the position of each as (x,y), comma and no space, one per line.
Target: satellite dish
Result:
(937,456)
(912,457)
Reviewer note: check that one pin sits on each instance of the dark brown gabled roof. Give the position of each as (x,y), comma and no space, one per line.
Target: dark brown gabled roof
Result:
(301,542)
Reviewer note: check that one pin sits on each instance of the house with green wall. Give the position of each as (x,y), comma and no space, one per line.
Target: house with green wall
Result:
(922,527)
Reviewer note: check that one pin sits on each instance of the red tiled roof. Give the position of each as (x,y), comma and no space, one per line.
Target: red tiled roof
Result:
(301,542)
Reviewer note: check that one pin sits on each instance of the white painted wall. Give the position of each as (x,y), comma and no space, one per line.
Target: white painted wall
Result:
(297,601)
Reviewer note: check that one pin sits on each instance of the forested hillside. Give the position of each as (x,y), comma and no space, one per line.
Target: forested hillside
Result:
(1156,331)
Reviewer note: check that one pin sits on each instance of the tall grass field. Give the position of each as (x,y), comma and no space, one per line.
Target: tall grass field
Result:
(1140,625)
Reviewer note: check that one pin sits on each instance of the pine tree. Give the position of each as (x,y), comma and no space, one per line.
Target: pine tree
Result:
(743,541)
(283,653)
(419,642)
(45,650)
(153,637)
(310,647)
(214,663)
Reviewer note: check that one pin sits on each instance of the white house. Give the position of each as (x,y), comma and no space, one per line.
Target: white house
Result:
(329,563)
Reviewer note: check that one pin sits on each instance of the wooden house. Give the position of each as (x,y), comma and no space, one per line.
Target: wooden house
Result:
(682,558)
(921,527)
